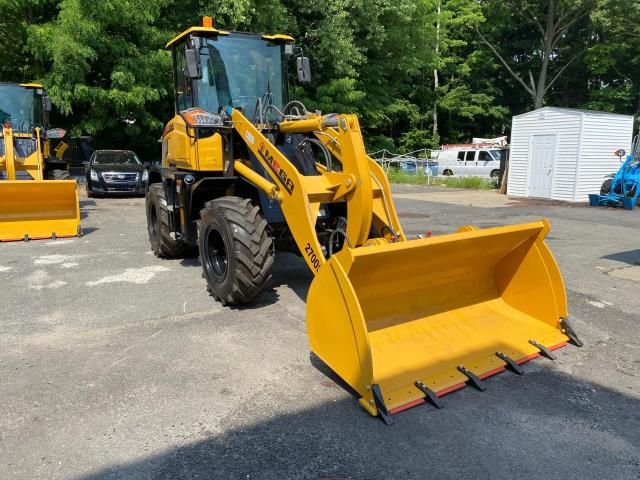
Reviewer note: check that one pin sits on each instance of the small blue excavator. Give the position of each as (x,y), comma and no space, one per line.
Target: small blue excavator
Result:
(623,188)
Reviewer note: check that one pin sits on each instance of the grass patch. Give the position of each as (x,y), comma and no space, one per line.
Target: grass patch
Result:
(475,183)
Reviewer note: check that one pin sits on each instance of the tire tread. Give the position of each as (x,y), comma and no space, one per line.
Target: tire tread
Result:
(252,248)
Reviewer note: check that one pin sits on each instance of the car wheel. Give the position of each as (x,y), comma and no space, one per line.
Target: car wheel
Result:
(447,173)
(495,174)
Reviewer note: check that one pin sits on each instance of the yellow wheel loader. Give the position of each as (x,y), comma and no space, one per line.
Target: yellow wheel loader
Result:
(36,200)
(245,173)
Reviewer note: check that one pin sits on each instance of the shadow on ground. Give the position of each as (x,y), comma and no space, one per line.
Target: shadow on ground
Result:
(542,425)
(632,257)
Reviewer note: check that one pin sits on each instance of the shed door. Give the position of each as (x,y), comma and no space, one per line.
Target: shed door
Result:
(543,152)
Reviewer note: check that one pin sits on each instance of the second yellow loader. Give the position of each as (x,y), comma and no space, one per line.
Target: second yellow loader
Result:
(245,172)
(31,207)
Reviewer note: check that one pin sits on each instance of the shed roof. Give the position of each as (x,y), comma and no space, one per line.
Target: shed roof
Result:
(570,111)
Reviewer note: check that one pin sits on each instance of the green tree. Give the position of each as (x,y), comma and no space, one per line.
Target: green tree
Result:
(107,71)
(614,59)
(16,59)
(549,53)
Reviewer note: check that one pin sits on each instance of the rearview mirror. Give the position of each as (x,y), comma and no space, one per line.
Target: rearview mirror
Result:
(304,69)
(193,63)
(46,104)
(620,153)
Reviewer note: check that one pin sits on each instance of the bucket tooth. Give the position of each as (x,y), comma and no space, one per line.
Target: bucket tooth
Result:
(544,351)
(382,408)
(511,363)
(567,329)
(429,394)
(473,378)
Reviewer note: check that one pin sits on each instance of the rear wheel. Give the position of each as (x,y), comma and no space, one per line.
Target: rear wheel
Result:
(162,245)
(495,174)
(235,249)
(58,174)
(447,173)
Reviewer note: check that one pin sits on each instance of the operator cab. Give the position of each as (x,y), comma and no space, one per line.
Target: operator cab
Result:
(25,106)
(216,69)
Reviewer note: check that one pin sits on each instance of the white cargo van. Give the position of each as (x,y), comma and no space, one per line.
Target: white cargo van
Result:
(470,161)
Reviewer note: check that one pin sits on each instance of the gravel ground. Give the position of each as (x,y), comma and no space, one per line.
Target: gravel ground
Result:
(115,364)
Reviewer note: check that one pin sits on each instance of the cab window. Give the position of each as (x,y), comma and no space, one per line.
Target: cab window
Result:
(184,93)
(461,155)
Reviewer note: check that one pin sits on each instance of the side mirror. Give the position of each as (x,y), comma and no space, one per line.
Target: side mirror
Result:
(192,58)
(304,69)
(46,104)
(620,153)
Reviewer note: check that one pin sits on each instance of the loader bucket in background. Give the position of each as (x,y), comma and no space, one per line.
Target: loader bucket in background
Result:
(38,209)
(401,321)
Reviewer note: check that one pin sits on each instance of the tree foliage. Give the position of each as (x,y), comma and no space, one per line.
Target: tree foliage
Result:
(418,72)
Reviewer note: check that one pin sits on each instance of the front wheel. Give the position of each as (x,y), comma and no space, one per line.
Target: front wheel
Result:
(235,249)
(606,186)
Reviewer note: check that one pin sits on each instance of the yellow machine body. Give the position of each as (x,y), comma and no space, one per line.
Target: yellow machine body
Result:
(390,312)
(399,320)
(36,208)
(182,150)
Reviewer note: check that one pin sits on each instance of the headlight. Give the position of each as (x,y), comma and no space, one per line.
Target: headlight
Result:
(94,175)
(145,176)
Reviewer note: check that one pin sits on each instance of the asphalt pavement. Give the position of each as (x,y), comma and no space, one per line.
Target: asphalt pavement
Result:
(115,364)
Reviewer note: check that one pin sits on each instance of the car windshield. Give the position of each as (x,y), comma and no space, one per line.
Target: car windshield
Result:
(116,158)
(240,70)
(498,154)
(19,105)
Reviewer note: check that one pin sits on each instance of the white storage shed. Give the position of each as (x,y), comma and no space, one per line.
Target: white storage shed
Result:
(563,153)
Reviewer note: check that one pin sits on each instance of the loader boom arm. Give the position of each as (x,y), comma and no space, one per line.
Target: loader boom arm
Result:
(361,184)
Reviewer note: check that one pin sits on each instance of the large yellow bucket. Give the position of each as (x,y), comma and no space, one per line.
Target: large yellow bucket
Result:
(401,321)
(38,209)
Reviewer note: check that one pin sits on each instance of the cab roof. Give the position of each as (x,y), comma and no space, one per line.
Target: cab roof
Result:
(23,85)
(214,32)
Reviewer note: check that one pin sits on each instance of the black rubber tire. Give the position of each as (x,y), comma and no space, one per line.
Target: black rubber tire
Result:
(495,174)
(58,174)
(162,245)
(606,186)
(235,249)
(447,173)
